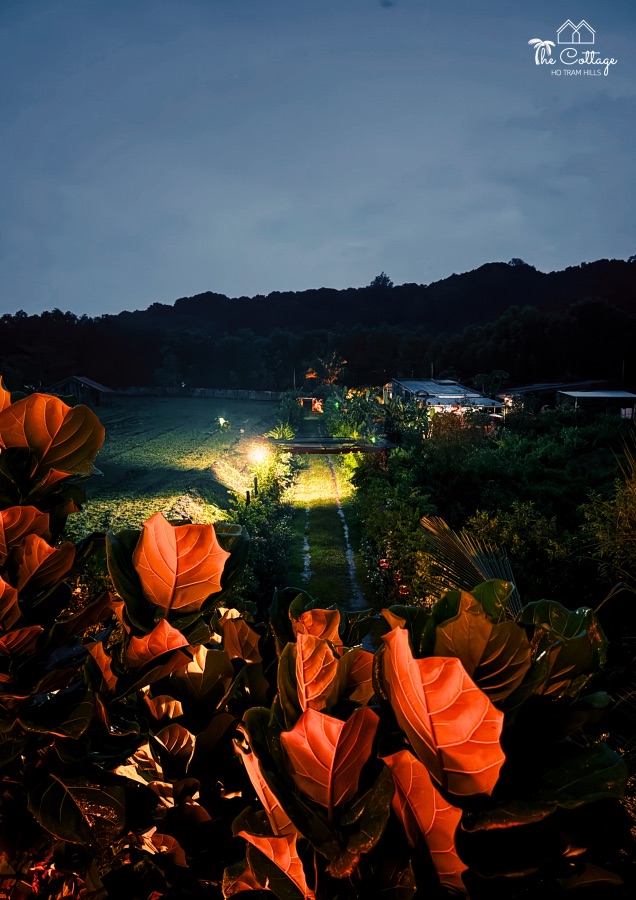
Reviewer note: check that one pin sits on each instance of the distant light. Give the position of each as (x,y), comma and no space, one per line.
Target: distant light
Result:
(258,454)
(222,421)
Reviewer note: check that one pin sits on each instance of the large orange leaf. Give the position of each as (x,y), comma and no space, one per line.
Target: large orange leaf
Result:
(452,725)
(179,566)
(21,640)
(61,437)
(40,565)
(316,668)
(278,818)
(18,521)
(5,396)
(283,853)
(321,623)
(240,877)
(161,639)
(239,640)
(104,661)
(419,805)
(361,676)
(163,706)
(325,755)
(10,613)
(496,656)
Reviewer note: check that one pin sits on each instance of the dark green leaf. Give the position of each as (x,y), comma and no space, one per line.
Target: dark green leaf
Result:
(494,596)
(119,553)
(366,817)
(76,810)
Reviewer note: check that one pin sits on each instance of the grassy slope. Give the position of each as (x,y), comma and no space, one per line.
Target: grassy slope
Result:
(170,455)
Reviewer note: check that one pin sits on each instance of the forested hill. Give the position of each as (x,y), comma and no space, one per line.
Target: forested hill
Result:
(579,323)
(448,305)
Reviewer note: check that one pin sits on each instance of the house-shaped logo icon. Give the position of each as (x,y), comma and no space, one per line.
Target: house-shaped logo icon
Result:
(569,33)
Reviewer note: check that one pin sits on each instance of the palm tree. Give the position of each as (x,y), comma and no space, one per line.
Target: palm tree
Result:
(541,49)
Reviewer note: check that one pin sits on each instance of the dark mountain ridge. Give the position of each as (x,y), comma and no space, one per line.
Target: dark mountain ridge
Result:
(448,305)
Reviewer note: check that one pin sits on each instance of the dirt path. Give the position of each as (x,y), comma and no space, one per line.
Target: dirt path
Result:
(324,561)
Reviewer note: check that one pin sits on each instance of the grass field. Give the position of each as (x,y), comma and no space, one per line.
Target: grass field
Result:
(171,455)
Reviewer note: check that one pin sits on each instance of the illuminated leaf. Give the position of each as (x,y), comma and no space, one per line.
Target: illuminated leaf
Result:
(361,676)
(418,805)
(40,565)
(239,640)
(452,725)
(163,706)
(10,613)
(393,620)
(61,437)
(18,521)
(21,640)
(316,667)
(179,566)
(240,877)
(208,673)
(161,639)
(177,741)
(321,623)
(282,852)
(5,396)
(496,656)
(278,818)
(325,755)
(104,661)
(166,845)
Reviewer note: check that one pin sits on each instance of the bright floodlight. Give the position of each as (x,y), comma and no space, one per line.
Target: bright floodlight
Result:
(258,454)
(221,421)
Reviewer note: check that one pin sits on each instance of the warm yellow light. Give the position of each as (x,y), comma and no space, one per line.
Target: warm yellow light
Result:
(258,454)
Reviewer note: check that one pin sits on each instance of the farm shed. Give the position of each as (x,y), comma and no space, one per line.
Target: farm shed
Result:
(84,389)
(620,402)
(442,394)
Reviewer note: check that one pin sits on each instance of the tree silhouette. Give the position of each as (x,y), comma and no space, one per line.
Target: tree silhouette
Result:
(381,281)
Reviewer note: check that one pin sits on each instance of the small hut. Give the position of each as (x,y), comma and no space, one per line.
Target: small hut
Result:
(84,389)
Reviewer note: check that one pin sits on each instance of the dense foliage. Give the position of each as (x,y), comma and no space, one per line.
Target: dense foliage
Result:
(573,324)
(526,486)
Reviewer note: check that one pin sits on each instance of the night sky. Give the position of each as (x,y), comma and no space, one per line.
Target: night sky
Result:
(153,149)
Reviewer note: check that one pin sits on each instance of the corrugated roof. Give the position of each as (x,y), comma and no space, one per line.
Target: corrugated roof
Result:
(87,382)
(432,388)
(600,395)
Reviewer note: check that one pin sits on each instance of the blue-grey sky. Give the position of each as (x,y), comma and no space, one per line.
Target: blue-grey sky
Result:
(153,149)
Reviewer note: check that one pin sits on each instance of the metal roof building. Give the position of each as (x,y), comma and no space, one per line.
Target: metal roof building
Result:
(441,393)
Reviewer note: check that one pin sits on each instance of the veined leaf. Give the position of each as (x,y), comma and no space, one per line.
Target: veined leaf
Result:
(63,438)
(18,521)
(206,678)
(240,877)
(287,685)
(179,566)
(496,656)
(360,677)
(40,565)
(316,668)
(76,810)
(166,845)
(283,853)
(366,818)
(5,396)
(320,623)
(104,662)
(163,706)
(20,640)
(325,755)
(177,742)
(572,641)
(452,725)
(278,818)
(418,805)
(239,640)
(161,639)
(10,613)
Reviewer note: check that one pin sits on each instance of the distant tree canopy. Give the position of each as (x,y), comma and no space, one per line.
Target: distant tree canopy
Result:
(463,324)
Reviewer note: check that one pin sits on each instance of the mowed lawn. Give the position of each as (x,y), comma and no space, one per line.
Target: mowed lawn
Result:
(170,455)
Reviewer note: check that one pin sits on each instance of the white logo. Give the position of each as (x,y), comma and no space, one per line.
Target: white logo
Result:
(569,33)
(575,59)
